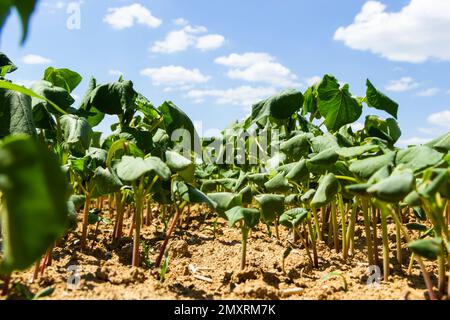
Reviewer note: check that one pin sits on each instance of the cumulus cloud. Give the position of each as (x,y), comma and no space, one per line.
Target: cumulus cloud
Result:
(428,92)
(174,76)
(258,67)
(401,85)
(210,42)
(242,96)
(416,33)
(188,36)
(441,119)
(35,59)
(180,22)
(125,17)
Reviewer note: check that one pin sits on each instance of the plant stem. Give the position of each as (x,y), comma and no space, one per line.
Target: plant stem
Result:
(375,235)
(313,241)
(398,239)
(302,239)
(411,262)
(317,224)
(335,225)
(244,231)
(441,274)
(344,227)
(169,233)
(351,228)
(139,198)
(384,236)
(84,231)
(277,233)
(149,216)
(365,208)
(426,276)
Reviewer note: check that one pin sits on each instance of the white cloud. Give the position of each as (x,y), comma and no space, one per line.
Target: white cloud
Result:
(210,42)
(180,22)
(188,36)
(441,119)
(258,67)
(401,85)
(174,76)
(115,73)
(412,141)
(243,96)
(35,59)
(416,33)
(428,92)
(312,80)
(126,17)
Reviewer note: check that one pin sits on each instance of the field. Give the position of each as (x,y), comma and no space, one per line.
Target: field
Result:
(105,274)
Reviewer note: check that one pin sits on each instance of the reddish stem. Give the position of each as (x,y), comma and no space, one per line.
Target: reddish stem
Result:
(168,235)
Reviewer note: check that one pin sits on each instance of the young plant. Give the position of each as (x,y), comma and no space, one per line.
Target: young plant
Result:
(247,219)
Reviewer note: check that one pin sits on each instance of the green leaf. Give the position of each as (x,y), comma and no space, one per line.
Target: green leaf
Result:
(325,158)
(225,200)
(34,205)
(308,196)
(296,147)
(378,100)
(77,133)
(418,158)
(441,143)
(367,167)
(293,217)
(15,114)
(44,293)
(427,248)
(278,184)
(388,129)
(188,193)
(258,178)
(61,97)
(299,172)
(115,98)
(416,227)
(106,182)
(24,7)
(249,216)
(336,104)
(6,65)
(131,168)
(63,78)
(324,142)
(31,93)
(281,106)
(92,114)
(271,206)
(395,188)
(352,152)
(176,161)
(358,189)
(328,187)
(175,119)
(247,195)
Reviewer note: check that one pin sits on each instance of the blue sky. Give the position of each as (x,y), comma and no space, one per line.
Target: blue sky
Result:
(214,58)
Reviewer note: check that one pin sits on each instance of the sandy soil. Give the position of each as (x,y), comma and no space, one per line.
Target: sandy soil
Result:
(202,266)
